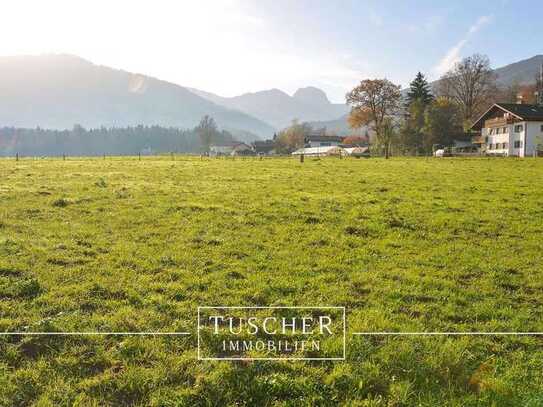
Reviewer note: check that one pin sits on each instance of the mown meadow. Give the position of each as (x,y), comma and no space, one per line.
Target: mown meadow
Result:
(406,245)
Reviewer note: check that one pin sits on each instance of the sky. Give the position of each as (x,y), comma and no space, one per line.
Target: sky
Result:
(230,47)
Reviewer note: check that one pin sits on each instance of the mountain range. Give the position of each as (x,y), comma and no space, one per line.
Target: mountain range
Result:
(523,72)
(278,108)
(58,91)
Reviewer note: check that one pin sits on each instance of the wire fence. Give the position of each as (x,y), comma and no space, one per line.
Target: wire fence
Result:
(191,156)
(141,157)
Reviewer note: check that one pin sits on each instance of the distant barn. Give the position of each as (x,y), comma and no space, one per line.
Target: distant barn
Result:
(230,148)
(320,151)
(319,138)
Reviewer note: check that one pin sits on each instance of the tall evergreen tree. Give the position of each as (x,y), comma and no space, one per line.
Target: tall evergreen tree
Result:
(411,132)
(419,89)
(419,97)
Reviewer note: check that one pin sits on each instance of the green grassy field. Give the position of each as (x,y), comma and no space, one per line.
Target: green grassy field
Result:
(405,245)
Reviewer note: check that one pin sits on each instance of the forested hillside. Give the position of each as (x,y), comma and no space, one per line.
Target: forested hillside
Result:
(112,141)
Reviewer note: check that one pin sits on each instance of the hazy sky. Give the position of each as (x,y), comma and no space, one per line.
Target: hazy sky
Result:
(234,46)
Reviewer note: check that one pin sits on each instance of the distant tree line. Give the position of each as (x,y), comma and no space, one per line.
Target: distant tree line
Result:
(111,141)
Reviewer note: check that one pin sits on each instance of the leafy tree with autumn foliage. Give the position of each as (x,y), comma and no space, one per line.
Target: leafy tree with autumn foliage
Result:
(292,138)
(527,94)
(373,103)
(356,140)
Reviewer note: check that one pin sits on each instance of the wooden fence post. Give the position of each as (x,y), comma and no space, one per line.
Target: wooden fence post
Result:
(301,158)
(63,157)
(139,156)
(17,157)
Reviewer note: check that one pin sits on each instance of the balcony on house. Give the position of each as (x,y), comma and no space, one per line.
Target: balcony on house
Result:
(498,121)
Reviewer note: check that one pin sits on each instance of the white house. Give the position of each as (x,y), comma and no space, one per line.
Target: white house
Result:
(511,129)
(222,149)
